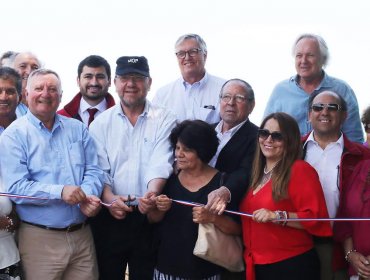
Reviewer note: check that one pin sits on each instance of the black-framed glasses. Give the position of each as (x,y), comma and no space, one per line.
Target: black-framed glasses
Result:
(275,136)
(367,127)
(191,52)
(238,98)
(332,107)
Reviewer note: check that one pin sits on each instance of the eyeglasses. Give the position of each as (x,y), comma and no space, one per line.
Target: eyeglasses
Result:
(191,52)
(134,78)
(332,107)
(367,128)
(238,98)
(275,136)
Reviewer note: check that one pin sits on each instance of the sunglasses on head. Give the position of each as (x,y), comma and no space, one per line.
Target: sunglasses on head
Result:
(332,107)
(275,136)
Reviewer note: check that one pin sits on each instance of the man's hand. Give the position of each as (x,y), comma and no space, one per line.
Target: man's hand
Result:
(73,194)
(147,202)
(90,206)
(119,209)
(218,200)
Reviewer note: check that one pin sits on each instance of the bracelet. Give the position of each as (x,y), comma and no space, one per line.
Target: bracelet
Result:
(348,253)
(281,217)
(9,227)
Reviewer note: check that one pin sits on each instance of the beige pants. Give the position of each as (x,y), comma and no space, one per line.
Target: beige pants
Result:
(57,255)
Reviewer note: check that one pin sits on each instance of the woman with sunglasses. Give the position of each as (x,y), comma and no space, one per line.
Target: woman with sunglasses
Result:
(282,187)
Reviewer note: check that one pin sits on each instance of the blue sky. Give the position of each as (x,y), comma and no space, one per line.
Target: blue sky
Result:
(251,40)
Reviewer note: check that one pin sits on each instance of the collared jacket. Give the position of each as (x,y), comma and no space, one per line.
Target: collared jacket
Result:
(70,110)
(352,154)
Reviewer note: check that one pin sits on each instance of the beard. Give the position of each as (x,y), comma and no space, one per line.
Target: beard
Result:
(100,94)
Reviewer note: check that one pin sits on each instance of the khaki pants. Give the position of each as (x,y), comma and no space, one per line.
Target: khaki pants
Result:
(57,255)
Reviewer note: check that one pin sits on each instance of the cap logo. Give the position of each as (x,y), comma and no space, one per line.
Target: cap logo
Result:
(133,60)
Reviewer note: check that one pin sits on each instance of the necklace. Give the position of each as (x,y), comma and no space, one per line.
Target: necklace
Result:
(267,172)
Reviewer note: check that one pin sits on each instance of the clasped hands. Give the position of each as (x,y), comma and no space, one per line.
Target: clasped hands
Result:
(200,214)
(120,206)
(361,264)
(89,204)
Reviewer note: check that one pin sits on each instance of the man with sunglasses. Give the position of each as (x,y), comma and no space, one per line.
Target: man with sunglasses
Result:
(195,94)
(334,157)
(291,96)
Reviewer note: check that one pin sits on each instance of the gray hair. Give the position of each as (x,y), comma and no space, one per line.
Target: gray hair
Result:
(324,51)
(247,88)
(12,58)
(43,72)
(196,37)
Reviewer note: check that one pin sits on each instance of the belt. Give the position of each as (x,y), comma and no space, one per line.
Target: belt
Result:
(70,228)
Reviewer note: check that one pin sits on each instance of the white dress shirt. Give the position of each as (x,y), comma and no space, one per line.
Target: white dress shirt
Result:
(82,111)
(188,102)
(326,162)
(131,156)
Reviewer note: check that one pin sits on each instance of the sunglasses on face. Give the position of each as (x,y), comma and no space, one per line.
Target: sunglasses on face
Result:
(332,107)
(275,136)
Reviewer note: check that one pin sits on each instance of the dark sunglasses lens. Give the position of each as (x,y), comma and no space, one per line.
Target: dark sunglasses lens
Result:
(264,134)
(277,136)
(317,108)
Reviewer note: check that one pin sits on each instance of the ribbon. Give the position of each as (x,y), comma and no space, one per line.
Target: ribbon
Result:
(190,203)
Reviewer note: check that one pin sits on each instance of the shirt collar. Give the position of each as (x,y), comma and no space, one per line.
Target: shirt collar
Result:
(39,124)
(325,82)
(231,131)
(199,83)
(311,139)
(102,106)
(144,113)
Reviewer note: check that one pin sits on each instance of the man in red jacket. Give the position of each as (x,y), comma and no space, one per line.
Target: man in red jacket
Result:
(334,157)
(94,80)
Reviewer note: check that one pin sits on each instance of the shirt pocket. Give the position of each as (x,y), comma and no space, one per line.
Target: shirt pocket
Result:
(77,153)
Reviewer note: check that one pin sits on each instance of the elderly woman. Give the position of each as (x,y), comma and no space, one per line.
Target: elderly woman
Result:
(195,143)
(355,235)
(365,119)
(282,187)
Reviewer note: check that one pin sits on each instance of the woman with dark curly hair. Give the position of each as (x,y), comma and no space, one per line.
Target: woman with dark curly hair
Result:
(365,119)
(194,143)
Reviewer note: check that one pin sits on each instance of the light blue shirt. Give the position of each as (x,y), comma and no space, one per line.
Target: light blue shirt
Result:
(38,162)
(21,110)
(197,101)
(131,156)
(290,98)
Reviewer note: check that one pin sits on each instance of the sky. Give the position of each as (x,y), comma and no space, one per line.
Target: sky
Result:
(251,40)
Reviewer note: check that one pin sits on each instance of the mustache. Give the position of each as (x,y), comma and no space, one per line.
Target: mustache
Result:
(97,86)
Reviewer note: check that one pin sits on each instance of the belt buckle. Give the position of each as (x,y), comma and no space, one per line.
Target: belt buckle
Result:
(69,228)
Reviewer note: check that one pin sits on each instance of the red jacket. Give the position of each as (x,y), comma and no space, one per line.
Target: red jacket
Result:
(71,109)
(353,153)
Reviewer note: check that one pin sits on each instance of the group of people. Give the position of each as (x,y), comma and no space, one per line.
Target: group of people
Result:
(92,188)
